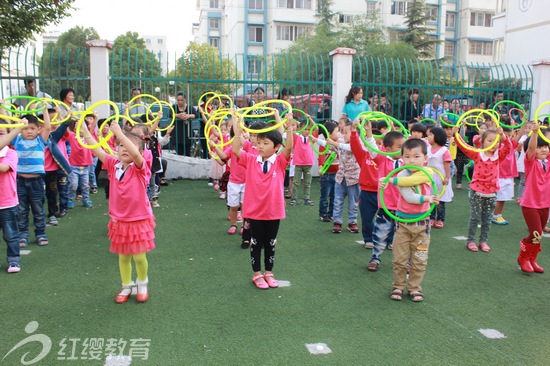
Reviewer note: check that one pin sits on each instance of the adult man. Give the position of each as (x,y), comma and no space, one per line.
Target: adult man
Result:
(30,91)
(434,109)
(137,108)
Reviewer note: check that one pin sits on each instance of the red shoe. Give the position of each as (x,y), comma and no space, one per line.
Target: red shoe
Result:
(533,259)
(260,283)
(484,247)
(472,246)
(271,282)
(337,228)
(439,224)
(232,230)
(125,293)
(142,293)
(524,257)
(353,228)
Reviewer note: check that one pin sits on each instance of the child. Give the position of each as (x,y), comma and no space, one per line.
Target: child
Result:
(368,182)
(264,197)
(439,158)
(412,240)
(327,179)
(418,131)
(521,161)
(132,224)
(9,210)
(484,185)
(535,201)
(30,146)
(384,226)
(303,162)
(81,161)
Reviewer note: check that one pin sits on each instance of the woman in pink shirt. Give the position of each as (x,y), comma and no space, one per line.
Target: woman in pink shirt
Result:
(132,224)
(535,201)
(263,201)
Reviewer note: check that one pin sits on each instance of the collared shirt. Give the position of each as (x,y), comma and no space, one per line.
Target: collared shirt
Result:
(270,161)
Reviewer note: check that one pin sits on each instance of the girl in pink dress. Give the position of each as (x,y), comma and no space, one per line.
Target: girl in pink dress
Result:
(131,229)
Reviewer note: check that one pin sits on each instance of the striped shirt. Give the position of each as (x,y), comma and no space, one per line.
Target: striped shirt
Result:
(30,154)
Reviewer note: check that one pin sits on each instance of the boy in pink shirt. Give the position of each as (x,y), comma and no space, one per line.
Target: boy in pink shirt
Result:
(412,240)
(264,197)
(303,159)
(81,161)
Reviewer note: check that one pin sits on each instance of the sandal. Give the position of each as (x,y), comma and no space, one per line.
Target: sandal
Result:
(293,202)
(42,241)
(416,296)
(373,266)
(260,282)
(472,246)
(23,242)
(396,294)
(271,281)
(308,202)
(484,247)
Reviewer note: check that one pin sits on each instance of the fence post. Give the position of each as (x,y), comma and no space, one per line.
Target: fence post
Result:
(541,85)
(99,74)
(341,78)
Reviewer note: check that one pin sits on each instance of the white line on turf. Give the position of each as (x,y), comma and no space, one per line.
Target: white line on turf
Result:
(360,242)
(25,252)
(491,333)
(318,348)
(118,360)
(284,283)
(460,237)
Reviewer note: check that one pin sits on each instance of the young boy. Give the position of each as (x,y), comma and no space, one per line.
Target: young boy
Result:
(303,162)
(30,146)
(8,199)
(264,196)
(412,240)
(81,162)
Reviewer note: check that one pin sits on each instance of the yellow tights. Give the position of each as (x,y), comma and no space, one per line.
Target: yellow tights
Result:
(125,266)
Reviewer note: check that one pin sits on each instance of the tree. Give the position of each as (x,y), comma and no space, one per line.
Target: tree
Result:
(66,63)
(417,32)
(203,69)
(20,19)
(132,65)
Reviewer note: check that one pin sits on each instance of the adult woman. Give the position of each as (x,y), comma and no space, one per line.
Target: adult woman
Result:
(410,108)
(184,114)
(355,104)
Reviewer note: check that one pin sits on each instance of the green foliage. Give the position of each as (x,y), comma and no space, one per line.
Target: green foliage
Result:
(417,32)
(132,65)
(204,62)
(66,63)
(20,19)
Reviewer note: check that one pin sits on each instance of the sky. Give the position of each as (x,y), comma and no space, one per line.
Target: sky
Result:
(111,18)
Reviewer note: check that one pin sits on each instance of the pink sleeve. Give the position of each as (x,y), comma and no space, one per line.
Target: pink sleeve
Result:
(447,156)
(243,160)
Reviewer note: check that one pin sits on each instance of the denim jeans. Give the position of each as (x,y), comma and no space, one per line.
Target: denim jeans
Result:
(326,201)
(57,183)
(341,190)
(30,192)
(368,205)
(382,235)
(79,178)
(481,211)
(92,177)
(9,218)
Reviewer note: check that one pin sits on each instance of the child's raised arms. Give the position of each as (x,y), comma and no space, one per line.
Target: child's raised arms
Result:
(533,142)
(5,140)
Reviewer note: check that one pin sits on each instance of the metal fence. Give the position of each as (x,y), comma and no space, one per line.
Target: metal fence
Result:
(308,77)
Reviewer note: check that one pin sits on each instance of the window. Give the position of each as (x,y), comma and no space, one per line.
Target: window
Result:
(294,4)
(399,7)
(214,42)
(254,66)
(256,4)
(342,18)
(433,12)
(449,49)
(450,20)
(214,23)
(214,4)
(255,34)
(371,7)
(291,32)
(160,41)
(498,48)
(481,48)
(148,40)
(481,19)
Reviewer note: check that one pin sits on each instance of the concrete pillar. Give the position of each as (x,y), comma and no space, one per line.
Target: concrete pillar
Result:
(341,78)
(99,74)
(541,87)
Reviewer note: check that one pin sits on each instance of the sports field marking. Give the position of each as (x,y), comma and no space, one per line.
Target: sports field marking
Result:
(318,348)
(118,360)
(546,235)
(25,252)
(284,283)
(360,242)
(491,333)
(460,237)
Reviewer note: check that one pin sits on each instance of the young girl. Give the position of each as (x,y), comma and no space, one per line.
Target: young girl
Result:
(440,158)
(264,197)
(132,224)
(484,185)
(535,201)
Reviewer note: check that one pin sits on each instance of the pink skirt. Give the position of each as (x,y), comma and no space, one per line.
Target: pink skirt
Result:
(132,237)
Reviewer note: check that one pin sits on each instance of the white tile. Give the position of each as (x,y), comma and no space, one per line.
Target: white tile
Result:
(25,251)
(284,283)
(460,237)
(491,333)
(318,348)
(122,360)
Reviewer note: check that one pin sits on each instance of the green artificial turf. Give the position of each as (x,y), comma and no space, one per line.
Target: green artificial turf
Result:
(204,309)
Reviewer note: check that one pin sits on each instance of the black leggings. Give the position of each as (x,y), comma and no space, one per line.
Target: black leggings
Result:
(264,235)
(460,162)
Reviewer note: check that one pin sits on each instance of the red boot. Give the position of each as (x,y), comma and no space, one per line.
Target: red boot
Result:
(524,257)
(535,249)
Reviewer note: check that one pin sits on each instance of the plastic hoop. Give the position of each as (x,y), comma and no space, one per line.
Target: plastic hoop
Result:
(442,121)
(32,111)
(313,144)
(11,125)
(467,172)
(518,107)
(468,147)
(101,142)
(385,181)
(328,163)
(301,111)
(372,148)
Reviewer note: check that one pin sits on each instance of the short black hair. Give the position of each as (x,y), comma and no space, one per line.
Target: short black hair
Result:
(273,135)
(31,119)
(330,126)
(136,88)
(136,139)
(28,81)
(64,92)
(540,142)
(419,127)
(440,136)
(258,125)
(413,144)
(390,138)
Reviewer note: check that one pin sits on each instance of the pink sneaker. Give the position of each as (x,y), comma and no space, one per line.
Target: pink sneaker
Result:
(222,195)
(216,186)
(439,224)
(239,216)
(232,230)
(260,283)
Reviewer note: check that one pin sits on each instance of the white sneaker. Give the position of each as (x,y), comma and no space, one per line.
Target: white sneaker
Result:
(52,221)
(368,245)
